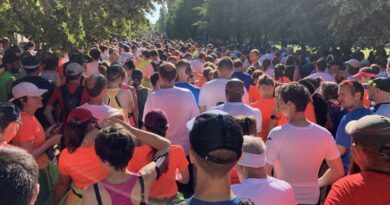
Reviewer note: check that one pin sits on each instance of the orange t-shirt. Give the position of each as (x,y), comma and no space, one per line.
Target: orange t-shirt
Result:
(360,189)
(366,101)
(83,166)
(283,80)
(166,186)
(266,106)
(254,94)
(309,112)
(13,131)
(31,130)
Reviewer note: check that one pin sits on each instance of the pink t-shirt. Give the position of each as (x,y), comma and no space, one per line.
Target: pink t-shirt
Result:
(180,106)
(297,153)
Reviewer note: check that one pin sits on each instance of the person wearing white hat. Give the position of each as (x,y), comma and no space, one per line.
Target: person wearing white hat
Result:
(31,136)
(255,184)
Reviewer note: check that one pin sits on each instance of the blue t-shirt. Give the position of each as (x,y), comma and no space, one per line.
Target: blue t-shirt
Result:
(344,139)
(194,201)
(244,77)
(195,90)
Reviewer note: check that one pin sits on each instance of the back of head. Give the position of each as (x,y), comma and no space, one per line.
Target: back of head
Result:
(183,66)
(115,73)
(234,90)
(95,84)
(321,65)
(330,90)
(295,93)
(225,64)
(51,62)
(18,176)
(95,54)
(137,76)
(31,63)
(115,145)
(168,72)
(156,122)
(279,71)
(247,124)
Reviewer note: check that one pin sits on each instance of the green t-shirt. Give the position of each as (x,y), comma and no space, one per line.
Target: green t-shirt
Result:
(5,77)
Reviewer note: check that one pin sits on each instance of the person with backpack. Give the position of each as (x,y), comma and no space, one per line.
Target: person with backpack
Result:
(68,96)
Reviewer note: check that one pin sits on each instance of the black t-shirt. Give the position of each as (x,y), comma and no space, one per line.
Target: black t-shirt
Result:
(41,83)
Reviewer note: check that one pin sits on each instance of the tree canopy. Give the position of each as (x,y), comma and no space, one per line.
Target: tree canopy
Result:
(315,23)
(75,22)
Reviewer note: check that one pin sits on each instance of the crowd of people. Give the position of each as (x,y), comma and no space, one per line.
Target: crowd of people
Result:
(159,121)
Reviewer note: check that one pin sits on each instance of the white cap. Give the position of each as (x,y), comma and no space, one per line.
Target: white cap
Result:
(26,89)
(252,160)
(354,63)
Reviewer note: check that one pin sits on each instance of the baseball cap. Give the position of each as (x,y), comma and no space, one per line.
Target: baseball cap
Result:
(212,132)
(73,69)
(383,83)
(26,89)
(80,116)
(8,112)
(354,63)
(372,131)
(365,72)
(154,116)
(191,122)
(31,63)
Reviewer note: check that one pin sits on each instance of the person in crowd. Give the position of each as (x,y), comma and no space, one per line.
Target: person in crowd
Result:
(115,145)
(96,87)
(254,92)
(142,93)
(32,137)
(255,184)
(239,73)
(157,123)
(234,106)
(18,176)
(125,54)
(197,66)
(280,71)
(286,154)
(155,60)
(216,146)
(267,67)
(370,151)
(184,73)
(381,61)
(254,57)
(145,66)
(129,68)
(11,65)
(31,64)
(184,101)
(49,72)
(78,163)
(329,91)
(9,121)
(351,68)
(379,93)
(247,124)
(68,96)
(154,80)
(351,98)
(365,74)
(93,66)
(321,72)
(118,97)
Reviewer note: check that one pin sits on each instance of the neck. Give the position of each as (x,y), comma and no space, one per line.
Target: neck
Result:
(298,119)
(182,78)
(357,106)
(218,190)
(256,173)
(95,101)
(114,84)
(165,84)
(117,177)
(30,111)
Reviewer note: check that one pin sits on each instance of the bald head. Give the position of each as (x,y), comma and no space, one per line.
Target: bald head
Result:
(234,90)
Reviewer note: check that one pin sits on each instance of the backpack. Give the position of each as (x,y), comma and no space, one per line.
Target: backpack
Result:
(70,100)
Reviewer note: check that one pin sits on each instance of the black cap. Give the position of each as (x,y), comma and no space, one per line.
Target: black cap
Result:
(213,132)
(31,62)
(8,112)
(382,83)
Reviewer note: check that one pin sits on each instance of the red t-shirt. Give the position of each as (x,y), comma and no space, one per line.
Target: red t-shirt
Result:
(254,94)
(166,186)
(266,106)
(361,189)
(57,96)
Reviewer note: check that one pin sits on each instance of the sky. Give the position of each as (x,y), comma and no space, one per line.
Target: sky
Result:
(154,16)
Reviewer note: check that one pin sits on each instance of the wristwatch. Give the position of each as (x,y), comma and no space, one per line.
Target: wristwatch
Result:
(274,117)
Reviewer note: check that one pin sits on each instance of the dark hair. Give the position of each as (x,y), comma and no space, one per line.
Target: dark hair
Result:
(226,63)
(28,45)
(95,84)
(247,124)
(154,78)
(238,64)
(321,64)
(9,113)
(153,53)
(18,102)
(115,72)
(295,93)
(168,71)
(18,176)
(266,63)
(290,61)
(354,86)
(31,61)
(266,80)
(279,71)
(74,134)
(77,57)
(256,75)
(51,62)
(116,146)
(136,76)
(146,53)
(94,53)
(330,90)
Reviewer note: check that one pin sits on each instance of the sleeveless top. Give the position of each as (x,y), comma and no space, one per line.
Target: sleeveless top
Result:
(113,100)
(120,193)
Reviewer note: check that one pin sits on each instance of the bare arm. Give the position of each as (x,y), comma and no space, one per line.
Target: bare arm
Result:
(185,177)
(62,186)
(48,112)
(341,149)
(29,145)
(334,172)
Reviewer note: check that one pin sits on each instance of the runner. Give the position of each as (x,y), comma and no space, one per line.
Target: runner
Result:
(9,122)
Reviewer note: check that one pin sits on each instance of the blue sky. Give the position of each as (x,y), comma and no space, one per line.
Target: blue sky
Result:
(153,17)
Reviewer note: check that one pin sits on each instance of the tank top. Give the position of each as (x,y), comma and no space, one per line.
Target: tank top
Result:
(112,98)
(120,193)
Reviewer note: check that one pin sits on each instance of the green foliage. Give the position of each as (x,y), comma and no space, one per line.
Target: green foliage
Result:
(316,23)
(74,22)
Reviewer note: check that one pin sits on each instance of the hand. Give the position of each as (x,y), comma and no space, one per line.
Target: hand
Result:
(55,139)
(54,129)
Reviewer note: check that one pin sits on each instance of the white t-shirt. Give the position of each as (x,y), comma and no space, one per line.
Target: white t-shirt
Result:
(212,93)
(239,108)
(268,191)
(100,112)
(92,68)
(297,154)
(323,75)
(180,106)
(197,65)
